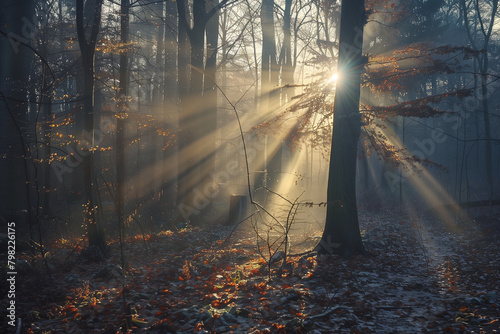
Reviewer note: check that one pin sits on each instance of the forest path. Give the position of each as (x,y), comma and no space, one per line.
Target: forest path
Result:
(424,276)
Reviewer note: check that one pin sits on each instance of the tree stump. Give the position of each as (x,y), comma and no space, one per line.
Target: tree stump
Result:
(237,209)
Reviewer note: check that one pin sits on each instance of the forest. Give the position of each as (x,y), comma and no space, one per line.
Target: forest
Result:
(250,166)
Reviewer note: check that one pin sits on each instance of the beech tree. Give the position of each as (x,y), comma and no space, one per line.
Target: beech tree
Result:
(88,21)
(120,121)
(341,234)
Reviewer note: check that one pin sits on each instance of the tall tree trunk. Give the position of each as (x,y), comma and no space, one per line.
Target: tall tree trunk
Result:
(15,204)
(270,170)
(87,42)
(487,128)
(224,48)
(183,77)
(287,67)
(191,120)
(170,95)
(255,58)
(269,75)
(123,92)
(208,118)
(157,147)
(341,234)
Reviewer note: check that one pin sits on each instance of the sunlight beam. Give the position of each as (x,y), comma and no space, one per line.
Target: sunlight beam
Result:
(334,78)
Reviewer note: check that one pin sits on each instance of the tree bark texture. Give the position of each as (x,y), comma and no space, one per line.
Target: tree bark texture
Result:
(123,91)
(341,234)
(87,39)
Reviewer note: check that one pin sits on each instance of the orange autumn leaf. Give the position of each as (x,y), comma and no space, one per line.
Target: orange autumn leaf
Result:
(279,328)
(261,286)
(254,272)
(70,308)
(297,314)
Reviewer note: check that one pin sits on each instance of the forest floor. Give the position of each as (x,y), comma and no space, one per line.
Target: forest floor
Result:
(422,276)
